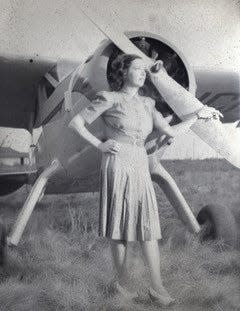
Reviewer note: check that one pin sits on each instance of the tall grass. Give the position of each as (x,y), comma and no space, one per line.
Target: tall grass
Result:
(61,264)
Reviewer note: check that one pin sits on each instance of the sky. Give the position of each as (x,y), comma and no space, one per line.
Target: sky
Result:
(206,31)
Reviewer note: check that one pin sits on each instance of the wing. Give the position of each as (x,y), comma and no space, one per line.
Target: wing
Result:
(21,82)
(18,90)
(221,90)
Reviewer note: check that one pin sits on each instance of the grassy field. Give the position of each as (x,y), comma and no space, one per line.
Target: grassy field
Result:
(61,264)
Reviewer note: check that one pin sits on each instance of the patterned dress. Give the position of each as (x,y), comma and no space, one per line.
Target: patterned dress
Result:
(128,205)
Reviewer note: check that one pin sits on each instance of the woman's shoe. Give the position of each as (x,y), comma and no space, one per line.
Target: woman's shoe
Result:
(163,299)
(124,292)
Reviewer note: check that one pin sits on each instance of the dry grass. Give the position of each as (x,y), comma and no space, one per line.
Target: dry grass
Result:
(61,264)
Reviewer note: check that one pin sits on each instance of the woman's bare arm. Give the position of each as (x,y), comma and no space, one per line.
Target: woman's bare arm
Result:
(161,124)
(172,131)
(78,125)
(183,126)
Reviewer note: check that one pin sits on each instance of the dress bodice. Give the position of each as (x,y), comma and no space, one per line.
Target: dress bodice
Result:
(121,114)
(131,117)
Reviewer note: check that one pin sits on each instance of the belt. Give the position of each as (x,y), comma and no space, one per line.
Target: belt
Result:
(130,140)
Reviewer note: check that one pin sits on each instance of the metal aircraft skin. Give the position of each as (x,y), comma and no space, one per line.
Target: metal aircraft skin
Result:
(40,93)
(50,98)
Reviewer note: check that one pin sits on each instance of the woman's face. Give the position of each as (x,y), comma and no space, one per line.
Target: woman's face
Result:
(136,74)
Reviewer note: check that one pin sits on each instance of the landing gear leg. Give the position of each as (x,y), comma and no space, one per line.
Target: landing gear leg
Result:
(33,197)
(172,192)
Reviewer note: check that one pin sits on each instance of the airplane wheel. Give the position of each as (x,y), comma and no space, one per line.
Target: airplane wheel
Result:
(217,222)
(3,244)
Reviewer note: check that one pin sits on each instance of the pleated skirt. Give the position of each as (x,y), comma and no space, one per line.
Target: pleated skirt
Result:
(128,205)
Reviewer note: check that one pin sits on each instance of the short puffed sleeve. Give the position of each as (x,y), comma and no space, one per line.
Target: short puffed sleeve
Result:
(159,121)
(101,103)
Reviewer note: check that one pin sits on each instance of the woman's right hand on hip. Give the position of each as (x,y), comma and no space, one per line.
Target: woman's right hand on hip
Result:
(111,146)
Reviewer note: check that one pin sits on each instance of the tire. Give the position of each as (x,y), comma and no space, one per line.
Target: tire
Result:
(3,244)
(218,223)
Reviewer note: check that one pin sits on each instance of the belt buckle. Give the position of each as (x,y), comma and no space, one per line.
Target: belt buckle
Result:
(137,141)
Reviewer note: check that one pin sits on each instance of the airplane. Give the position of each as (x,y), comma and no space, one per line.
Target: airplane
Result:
(51,94)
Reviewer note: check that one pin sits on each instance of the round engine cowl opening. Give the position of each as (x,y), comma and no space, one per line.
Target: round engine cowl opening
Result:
(173,63)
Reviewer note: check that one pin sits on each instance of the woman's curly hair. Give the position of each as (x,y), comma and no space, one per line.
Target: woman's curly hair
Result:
(119,70)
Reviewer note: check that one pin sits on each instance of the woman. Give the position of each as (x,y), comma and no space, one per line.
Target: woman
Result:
(128,205)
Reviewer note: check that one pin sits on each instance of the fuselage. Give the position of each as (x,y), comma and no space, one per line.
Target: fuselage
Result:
(81,162)
(65,89)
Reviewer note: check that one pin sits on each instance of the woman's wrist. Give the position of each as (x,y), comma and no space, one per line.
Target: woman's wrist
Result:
(198,114)
(98,143)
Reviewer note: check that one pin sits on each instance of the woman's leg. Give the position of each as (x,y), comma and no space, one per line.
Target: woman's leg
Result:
(119,254)
(152,257)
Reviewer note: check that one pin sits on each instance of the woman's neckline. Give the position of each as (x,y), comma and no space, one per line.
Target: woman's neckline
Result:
(133,92)
(136,95)
(137,99)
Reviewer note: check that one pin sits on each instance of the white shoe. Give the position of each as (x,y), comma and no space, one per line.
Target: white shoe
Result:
(164,299)
(124,292)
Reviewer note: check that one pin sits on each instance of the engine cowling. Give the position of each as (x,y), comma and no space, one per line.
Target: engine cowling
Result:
(98,67)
